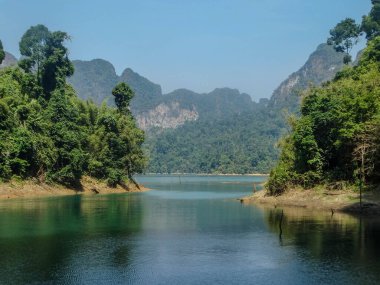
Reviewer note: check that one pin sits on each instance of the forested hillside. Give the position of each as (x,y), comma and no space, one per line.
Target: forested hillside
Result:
(244,143)
(47,133)
(95,79)
(336,141)
(185,129)
(321,66)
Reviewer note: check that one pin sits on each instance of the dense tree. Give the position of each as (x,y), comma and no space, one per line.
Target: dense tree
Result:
(46,56)
(336,137)
(60,138)
(244,143)
(116,147)
(57,65)
(32,48)
(2,53)
(123,96)
(371,23)
(344,36)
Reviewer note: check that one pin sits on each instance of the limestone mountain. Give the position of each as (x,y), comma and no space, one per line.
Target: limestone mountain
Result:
(182,105)
(321,66)
(223,131)
(147,92)
(95,79)
(9,60)
(243,142)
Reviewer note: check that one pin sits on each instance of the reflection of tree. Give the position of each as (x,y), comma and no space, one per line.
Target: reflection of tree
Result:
(38,238)
(326,238)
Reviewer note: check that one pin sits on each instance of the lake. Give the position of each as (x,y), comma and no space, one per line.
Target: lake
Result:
(186,230)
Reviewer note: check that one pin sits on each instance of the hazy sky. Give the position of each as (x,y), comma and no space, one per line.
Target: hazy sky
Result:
(251,45)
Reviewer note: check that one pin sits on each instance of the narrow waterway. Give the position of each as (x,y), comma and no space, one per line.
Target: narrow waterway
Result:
(187,230)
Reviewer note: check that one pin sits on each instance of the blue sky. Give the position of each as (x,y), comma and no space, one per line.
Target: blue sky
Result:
(251,45)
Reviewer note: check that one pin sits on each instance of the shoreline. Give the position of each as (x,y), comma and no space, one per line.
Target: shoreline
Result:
(344,201)
(34,189)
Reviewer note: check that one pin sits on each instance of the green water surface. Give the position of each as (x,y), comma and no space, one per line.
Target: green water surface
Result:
(187,230)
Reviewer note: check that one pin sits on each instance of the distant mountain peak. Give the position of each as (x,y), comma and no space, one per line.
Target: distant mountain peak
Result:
(321,66)
(9,60)
(95,79)
(226,90)
(182,91)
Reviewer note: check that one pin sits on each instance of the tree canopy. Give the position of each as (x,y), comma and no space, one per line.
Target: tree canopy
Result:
(344,36)
(371,22)
(324,143)
(123,96)
(45,56)
(47,133)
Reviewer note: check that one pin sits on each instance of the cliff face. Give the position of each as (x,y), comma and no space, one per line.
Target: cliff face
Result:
(9,60)
(181,106)
(321,66)
(95,80)
(166,116)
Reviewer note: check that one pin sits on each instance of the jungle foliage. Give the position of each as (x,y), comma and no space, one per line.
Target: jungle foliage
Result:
(337,136)
(243,143)
(48,133)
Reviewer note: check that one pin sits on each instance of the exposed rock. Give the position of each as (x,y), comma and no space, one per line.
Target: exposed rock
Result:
(95,80)
(321,66)
(166,116)
(9,60)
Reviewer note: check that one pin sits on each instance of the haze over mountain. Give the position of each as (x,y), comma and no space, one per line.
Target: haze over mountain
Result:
(9,60)
(95,79)
(223,131)
(321,66)
(244,142)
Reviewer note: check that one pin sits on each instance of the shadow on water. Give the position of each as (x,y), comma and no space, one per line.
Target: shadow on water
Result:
(40,238)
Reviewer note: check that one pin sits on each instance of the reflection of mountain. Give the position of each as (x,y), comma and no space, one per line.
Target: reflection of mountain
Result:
(39,237)
(341,240)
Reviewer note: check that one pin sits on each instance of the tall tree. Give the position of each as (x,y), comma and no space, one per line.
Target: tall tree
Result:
(123,96)
(371,22)
(32,48)
(46,56)
(344,36)
(57,65)
(2,53)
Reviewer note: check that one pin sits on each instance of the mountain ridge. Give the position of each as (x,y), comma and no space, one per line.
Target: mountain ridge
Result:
(9,60)
(321,66)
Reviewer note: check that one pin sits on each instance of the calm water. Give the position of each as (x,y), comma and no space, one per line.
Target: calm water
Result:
(188,230)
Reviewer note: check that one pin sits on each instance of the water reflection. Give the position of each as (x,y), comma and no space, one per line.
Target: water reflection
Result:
(337,239)
(188,232)
(40,239)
